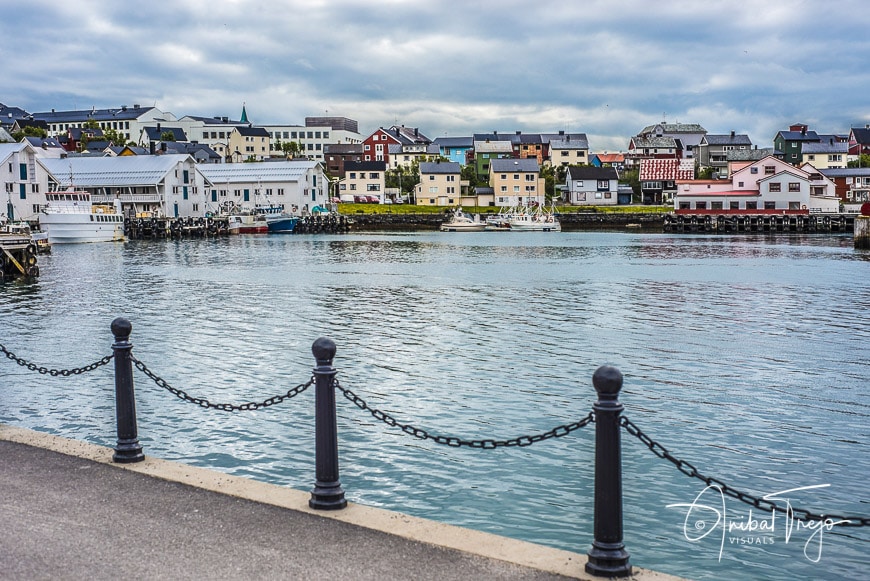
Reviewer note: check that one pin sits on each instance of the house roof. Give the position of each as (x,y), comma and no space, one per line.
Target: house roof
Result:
(861,134)
(343,148)
(266,172)
(156,133)
(569,144)
(713,193)
(828,146)
(798,135)
(454,141)
(846,172)
(610,157)
(365,166)
(252,131)
(93,172)
(663,142)
(551,137)
(673,128)
(727,139)
(509,165)
(493,147)
(444,167)
(666,169)
(122,113)
(198,150)
(407,135)
(592,173)
(7,149)
(748,154)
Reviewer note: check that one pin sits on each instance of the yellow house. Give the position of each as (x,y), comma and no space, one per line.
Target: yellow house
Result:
(248,142)
(440,184)
(516,182)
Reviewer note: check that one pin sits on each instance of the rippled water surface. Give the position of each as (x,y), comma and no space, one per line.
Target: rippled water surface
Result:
(748,357)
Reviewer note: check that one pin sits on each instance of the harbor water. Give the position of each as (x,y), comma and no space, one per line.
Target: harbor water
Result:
(747,356)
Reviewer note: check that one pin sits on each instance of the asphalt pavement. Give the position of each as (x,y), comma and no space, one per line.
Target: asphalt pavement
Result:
(67,512)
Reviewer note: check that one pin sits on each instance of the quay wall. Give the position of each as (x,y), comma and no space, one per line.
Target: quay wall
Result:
(569,222)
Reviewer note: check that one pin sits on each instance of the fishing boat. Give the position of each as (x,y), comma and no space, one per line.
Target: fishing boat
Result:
(247,223)
(461,222)
(534,220)
(277,219)
(69,217)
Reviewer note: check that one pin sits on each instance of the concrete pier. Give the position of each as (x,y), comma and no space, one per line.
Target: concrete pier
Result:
(862,232)
(68,512)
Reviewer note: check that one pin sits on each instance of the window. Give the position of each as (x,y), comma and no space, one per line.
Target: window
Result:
(373,175)
(774,187)
(603,184)
(770,205)
(684,206)
(751,205)
(433,189)
(431,178)
(564,153)
(740,184)
(794,205)
(734,205)
(516,176)
(753,170)
(769,170)
(700,205)
(794,187)
(715,205)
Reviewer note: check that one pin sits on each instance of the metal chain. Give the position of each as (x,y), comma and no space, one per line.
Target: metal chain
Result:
(55,372)
(756,501)
(226,407)
(487,444)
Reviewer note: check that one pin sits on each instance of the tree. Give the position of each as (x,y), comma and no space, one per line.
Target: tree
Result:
(30,131)
(291,148)
(166,135)
(632,178)
(403,178)
(862,161)
(469,173)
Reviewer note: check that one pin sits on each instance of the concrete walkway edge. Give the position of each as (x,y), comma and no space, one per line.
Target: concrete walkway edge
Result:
(469,541)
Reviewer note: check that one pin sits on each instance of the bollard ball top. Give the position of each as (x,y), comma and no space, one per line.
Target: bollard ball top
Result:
(121,327)
(323,349)
(607,380)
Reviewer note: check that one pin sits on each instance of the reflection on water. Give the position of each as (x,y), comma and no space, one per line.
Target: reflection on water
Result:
(743,355)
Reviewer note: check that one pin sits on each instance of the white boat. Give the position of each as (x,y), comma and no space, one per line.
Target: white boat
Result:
(461,222)
(534,220)
(69,217)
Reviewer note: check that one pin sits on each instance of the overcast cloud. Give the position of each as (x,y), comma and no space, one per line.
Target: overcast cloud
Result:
(604,68)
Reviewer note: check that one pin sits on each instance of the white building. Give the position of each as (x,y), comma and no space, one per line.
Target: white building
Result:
(166,185)
(296,185)
(24,182)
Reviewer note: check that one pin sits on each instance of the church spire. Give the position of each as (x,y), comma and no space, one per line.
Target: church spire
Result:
(244,118)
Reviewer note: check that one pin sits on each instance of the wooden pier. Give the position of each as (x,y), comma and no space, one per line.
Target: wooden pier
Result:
(17,257)
(754,223)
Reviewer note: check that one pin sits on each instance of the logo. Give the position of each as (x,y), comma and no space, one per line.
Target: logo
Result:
(707,514)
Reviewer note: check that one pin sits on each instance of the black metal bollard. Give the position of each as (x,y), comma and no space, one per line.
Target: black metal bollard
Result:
(608,557)
(327,493)
(128,448)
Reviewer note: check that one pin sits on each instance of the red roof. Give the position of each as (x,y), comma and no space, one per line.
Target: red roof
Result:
(666,169)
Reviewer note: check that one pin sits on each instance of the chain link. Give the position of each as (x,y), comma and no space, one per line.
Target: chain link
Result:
(756,501)
(226,407)
(487,444)
(55,372)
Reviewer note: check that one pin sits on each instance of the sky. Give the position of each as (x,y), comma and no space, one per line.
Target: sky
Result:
(604,68)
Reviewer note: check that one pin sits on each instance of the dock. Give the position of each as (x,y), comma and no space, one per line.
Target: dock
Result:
(17,256)
(70,513)
(767,222)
